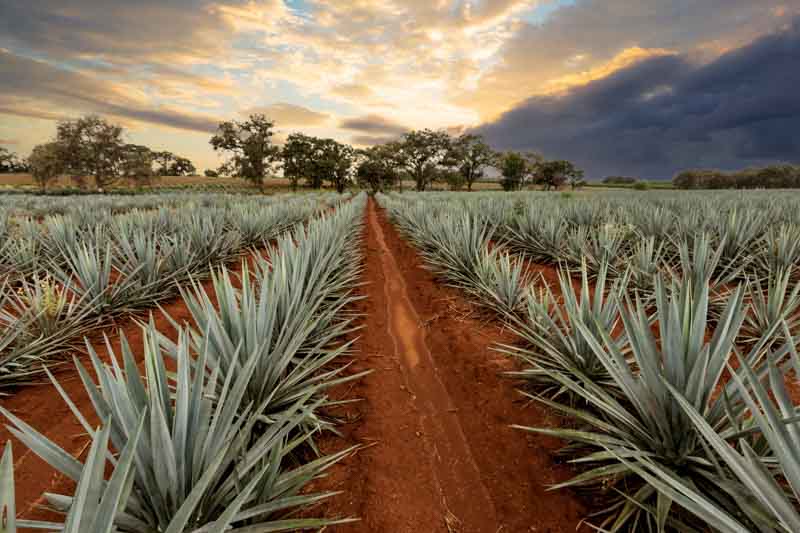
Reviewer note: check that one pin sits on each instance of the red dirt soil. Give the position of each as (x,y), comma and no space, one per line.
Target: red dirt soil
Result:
(436,415)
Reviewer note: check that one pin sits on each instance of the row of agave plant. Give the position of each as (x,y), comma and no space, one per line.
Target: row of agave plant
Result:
(224,442)
(677,412)
(66,275)
(756,233)
(37,205)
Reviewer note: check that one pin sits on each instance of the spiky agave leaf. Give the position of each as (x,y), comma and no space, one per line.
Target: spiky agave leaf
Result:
(768,484)
(96,502)
(554,345)
(775,302)
(198,465)
(289,316)
(645,421)
(779,250)
(500,282)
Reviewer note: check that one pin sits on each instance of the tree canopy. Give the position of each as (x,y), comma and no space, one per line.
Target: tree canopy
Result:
(253,155)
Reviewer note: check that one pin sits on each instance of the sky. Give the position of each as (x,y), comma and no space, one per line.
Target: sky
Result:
(621,87)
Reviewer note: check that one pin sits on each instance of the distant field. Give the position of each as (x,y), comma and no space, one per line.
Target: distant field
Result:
(26,181)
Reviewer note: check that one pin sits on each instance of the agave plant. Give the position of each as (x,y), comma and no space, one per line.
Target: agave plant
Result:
(500,282)
(47,309)
(779,250)
(540,237)
(765,484)
(641,419)
(96,502)
(778,301)
(554,347)
(769,483)
(89,272)
(592,248)
(198,465)
(290,316)
(644,262)
(452,244)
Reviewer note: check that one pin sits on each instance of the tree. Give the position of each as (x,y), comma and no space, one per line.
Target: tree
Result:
(333,161)
(377,169)
(164,160)
(250,143)
(297,155)
(421,152)
(471,155)
(6,160)
(553,174)
(91,146)
(137,164)
(46,163)
(515,168)
(11,163)
(181,166)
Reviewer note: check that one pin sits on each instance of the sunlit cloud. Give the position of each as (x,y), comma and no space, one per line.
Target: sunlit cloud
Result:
(175,69)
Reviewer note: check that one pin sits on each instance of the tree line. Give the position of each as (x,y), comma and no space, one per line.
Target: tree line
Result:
(780,176)
(421,156)
(91,148)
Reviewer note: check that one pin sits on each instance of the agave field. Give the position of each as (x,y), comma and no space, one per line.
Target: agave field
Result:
(214,425)
(660,326)
(656,331)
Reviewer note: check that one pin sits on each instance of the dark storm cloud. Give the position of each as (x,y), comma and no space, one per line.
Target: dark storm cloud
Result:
(35,88)
(666,113)
(374,125)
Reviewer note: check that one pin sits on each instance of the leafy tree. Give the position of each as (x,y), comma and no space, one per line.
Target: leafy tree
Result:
(514,168)
(420,152)
(137,164)
(318,160)
(46,163)
(553,174)
(6,160)
(472,155)
(377,169)
(333,161)
(181,166)
(297,155)
(91,146)
(164,159)
(250,143)
(454,179)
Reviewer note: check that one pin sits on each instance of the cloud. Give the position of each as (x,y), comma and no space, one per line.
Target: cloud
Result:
(352,91)
(374,124)
(285,114)
(583,35)
(372,140)
(666,113)
(38,89)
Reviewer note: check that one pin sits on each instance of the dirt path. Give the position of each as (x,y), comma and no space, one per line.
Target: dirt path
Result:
(436,416)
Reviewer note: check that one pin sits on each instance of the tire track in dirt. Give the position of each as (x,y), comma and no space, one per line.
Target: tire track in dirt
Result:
(471,474)
(466,501)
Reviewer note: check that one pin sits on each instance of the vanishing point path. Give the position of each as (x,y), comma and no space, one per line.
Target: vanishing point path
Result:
(434,414)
